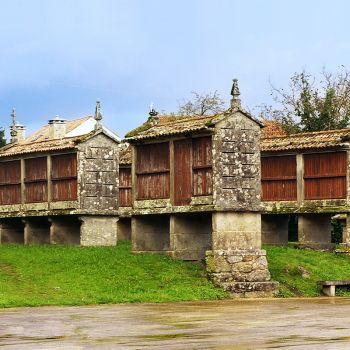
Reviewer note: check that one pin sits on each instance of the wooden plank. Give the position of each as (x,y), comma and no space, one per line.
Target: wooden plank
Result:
(278,178)
(156,186)
(64,165)
(10,172)
(202,166)
(152,169)
(36,192)
(325,175)
(10,194)
(64,190)
(152,157)
(35,169)
(64,177)
(125,197)
(183,172)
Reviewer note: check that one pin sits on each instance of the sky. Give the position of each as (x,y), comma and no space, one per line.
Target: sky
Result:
(58,57)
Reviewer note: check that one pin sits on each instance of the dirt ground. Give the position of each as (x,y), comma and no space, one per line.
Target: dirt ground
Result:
(318,323)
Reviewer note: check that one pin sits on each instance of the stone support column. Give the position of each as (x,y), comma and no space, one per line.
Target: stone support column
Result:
(274,229)
(36,231)
(314,231)
(346,231)
(150,233)
(98,230)
(11,231)
(124,228)
(190,235)
(236,262)
(64,230)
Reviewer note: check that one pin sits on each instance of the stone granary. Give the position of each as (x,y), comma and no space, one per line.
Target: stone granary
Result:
(60,185)
(196,192)
(308,175)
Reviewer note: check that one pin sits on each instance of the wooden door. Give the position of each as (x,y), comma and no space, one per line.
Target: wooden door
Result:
(182,172)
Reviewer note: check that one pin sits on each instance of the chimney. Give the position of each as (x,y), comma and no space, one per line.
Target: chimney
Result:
(17,131)
(57,128)
(235,100)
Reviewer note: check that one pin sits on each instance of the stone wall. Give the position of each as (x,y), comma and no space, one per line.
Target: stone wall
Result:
(236,164)
(98,176)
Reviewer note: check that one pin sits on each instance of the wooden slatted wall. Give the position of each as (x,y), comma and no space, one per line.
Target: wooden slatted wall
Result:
(125,188)
(35,180)
(64,177)
(10,182)
(325,175)
(152,170)
(202,166)
(182,172)
(278,178)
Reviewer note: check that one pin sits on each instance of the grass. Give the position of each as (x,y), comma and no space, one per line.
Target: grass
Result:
(68,275)
(285,263)
(72,275)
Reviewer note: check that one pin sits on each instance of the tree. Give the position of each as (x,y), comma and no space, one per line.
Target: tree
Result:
(2,137)
(202,104)
(312,104)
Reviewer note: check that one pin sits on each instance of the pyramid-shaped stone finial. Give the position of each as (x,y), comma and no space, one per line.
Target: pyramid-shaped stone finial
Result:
(235,101)
(98,115)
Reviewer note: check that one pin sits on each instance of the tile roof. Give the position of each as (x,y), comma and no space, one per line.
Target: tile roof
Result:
(125,154)
(43,133)
(42,146)
(40,141)
(163,125)
(169,125)
(310,140)
(272,129)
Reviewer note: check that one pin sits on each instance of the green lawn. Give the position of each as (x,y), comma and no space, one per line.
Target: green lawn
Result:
(71,275)
(62,275)
(284,263)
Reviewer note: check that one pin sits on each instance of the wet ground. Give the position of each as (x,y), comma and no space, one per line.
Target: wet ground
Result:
(322,323)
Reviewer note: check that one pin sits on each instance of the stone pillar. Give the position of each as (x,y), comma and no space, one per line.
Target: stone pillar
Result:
(64,230)
(314,231)
(274,229)
(150,233)
(236,262)
(124,229)
(36,230)
(98,230)
(346,231)
(11,231)
(190,235)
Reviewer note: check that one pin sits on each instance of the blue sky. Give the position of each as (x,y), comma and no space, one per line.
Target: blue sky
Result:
(57,57)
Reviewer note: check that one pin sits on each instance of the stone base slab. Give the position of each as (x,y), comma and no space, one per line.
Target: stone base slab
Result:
(251,289)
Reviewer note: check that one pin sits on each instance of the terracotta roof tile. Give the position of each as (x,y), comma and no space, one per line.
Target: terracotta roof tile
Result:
(170,125)
(272,129)
(125,154)
(42,146)
(311,140)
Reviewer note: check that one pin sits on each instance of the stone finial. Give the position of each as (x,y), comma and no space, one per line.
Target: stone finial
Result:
(98,115)
(13,128)
(17,131)
(235,100)
(153,115)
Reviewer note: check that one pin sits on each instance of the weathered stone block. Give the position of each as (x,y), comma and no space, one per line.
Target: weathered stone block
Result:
(98,230)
